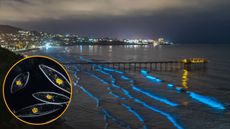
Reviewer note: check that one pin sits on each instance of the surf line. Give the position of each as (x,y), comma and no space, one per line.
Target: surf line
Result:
(209,101)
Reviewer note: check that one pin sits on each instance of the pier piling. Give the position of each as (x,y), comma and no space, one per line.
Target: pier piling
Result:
(188,64)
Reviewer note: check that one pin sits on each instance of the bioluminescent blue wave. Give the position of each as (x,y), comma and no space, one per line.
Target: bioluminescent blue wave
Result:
(178,88)
(112,70)
(127,78)
(170,85)
(154,79)
(116,86)
(113,84)
(116,96)
(98,78)
(151,78)
(114,119)
(144,72)
(138,116)
(151,95)
(89,94)
(103,72)
(207,100)
(126,92)
(124,77)
(168,116)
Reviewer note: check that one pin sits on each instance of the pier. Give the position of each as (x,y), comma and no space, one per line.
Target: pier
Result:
(188,64)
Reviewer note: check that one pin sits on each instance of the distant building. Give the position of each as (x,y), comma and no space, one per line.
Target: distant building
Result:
(161,41)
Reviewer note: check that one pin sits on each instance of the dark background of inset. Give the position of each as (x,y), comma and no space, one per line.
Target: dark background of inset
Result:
(37,83)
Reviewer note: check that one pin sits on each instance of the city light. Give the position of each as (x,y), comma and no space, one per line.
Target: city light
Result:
(47,45)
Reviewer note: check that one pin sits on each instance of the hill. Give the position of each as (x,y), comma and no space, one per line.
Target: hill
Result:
(9,29)
(5,64)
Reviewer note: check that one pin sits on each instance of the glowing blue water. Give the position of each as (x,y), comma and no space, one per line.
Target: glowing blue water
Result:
(114,119)
(127,93)
(98,78)
(112,70)
(124,77)
(170,85)
(90,94)
(151,95)
(207,100)
(151,78)
(138,116)
(168,116)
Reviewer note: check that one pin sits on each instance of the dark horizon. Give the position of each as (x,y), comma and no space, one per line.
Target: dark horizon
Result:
(179,21)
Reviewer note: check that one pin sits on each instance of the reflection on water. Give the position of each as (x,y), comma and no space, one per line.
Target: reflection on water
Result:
(81,49)
(184,79)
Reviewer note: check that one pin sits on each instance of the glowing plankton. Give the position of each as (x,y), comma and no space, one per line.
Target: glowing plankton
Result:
(35,110)
(59,81)
(56,78)
(18,83)
(49,97)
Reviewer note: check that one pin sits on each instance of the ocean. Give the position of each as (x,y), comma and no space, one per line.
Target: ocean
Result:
(128,99)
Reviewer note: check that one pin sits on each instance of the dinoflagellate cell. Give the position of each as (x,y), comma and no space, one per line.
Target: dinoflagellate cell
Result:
(19,82)
(56,78)
(51,97)
(37,110)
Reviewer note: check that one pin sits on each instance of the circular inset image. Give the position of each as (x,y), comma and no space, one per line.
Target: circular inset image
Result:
(37,90)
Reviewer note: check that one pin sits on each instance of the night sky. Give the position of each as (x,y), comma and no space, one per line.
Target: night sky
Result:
(180,21)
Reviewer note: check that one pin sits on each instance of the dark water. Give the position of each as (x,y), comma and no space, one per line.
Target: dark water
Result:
(214,82)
